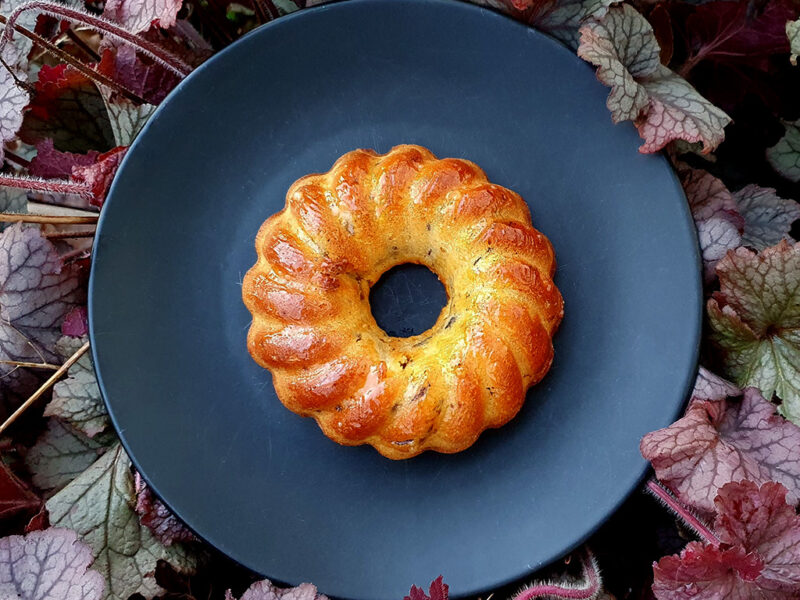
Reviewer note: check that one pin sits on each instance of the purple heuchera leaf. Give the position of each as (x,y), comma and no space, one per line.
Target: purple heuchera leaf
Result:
(767,217)
(727,48)
(150,81)
(663,105)
(416,593)
(759,554)
(762,522)
(15,497)
(708,573)
(48,565)
(13,98)
(709,386)
(39,521)
(50,163)
(158,518)
(265,590)
(36,292)
(719,224)
(720,441)
(66,107)
(100,175)
(438,590)
(76,323)
(138,15)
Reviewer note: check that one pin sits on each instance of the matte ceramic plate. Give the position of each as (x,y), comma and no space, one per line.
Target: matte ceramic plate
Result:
(201,419)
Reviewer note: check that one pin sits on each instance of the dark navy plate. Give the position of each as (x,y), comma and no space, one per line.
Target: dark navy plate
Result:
(201,419)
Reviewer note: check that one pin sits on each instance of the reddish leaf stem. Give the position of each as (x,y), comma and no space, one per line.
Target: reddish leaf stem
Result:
(261,11)
(76,253)
(78,41)
(54,186)
(273,10)
(65,235)
(730,31)
(112,30)
(17,160)
(588,589)
(71,61)
(683,512)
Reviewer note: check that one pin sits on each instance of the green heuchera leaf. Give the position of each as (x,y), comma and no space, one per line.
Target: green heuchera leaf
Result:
(12,200)
(755,318)
(139,15)
(77,399)
(99,505)
(559,18)
(127,119)
(663,105)
(266,590)
(619,65)
(285,6)
(793,33)
(562,18)
(61,454)
(767,217)
(785,155)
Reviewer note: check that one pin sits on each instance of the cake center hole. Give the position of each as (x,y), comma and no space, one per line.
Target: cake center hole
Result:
(407,300)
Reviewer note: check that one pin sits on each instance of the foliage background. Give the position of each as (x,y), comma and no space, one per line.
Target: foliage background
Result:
(714,84)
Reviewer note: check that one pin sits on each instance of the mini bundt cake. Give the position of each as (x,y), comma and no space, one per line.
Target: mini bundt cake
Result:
(313,328)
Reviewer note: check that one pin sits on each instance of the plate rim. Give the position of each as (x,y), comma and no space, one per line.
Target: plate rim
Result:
(288,20)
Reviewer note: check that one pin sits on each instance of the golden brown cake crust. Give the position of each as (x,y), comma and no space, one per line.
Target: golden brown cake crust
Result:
(313,329)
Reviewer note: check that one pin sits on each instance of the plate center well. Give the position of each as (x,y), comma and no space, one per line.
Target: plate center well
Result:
(407,300)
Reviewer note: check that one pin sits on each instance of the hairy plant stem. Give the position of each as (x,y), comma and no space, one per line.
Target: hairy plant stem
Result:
(71,61)
(586,590)
(45,386)
(55,186)
(683,512)
(112,30)
(66,235)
